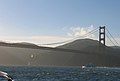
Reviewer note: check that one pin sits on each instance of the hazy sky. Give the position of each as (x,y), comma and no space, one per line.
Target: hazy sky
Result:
(38,19)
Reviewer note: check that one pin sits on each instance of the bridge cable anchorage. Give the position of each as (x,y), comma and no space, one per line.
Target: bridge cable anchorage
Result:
(112,36)
(55,43)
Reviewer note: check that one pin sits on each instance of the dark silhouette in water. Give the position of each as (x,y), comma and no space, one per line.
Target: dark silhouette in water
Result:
(5,75)
(9,79)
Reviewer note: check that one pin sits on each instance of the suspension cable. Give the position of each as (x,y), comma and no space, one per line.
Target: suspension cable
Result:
(110,40)
(112,36)
(85,35)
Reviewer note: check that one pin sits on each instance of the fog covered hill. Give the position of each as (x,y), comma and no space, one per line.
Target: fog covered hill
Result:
(91,46)
(80,52)
(22,45)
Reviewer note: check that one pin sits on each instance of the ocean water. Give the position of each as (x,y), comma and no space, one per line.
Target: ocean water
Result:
(62,73)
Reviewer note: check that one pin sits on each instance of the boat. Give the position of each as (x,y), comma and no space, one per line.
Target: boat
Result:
(90,65)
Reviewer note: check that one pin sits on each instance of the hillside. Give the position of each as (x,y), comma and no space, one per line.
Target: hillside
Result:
(21,45)
(81,44)
(88,51)
(90,46)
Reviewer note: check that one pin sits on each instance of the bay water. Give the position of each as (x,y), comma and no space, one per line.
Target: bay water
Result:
(28,73)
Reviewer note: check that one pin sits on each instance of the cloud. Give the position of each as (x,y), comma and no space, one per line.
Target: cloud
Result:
(73,32)
(49,39)
(81,32)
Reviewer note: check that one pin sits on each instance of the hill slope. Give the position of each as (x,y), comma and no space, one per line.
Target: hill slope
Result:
(90,46)
(22,54)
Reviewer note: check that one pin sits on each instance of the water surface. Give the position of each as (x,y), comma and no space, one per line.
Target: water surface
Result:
(62,73)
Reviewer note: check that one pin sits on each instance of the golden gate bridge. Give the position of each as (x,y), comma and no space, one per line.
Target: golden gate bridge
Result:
(104,34)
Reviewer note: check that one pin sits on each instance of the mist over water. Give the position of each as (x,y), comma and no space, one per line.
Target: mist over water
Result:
(62,73)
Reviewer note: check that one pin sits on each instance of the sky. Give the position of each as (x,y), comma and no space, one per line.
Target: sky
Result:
(46,21)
